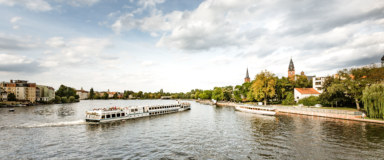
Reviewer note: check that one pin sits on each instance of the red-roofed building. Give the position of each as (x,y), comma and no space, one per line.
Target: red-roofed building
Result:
(301,93)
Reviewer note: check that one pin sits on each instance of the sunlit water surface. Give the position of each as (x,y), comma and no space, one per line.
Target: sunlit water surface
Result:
(204,132)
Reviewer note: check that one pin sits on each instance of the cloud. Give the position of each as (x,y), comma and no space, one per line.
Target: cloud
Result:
(15,19)
(77,51)
(79,3)
(55,42)
(147,63)
(16,43)
(34,5)
(250,24)
(15,63)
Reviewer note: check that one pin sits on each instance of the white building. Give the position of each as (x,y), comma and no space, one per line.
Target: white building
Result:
(82,94)
(318,83)
(301,93)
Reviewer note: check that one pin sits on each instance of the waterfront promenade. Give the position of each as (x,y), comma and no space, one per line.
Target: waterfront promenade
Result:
(353,115)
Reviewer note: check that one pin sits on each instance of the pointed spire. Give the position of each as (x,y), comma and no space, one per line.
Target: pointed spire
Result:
(247,74)
(291,66)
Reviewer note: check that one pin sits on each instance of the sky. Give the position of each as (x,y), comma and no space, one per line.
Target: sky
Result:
(179,45)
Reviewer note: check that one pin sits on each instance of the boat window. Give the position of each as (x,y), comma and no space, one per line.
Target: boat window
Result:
(118,115)
(108,116)
(122,114)
(113,115)
(102,117)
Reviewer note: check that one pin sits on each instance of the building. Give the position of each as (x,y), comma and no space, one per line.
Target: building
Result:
(291,71)
(23,90)
(3,95)
(82,94)
(301,93)
(247,79)
(317,83)
(45,93)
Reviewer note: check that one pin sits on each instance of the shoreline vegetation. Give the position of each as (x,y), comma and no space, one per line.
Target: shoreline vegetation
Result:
(335,113)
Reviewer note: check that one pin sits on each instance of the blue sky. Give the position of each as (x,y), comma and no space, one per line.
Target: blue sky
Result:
(178,45)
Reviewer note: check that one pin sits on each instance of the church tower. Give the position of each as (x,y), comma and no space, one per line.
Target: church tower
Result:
(247,79)
(291,71)
(382,61)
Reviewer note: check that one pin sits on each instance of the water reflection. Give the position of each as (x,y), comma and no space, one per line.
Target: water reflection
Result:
(205,132)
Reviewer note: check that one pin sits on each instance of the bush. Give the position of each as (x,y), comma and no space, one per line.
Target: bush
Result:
(57,99)
(72,99)
(373,98)
(11,97)
(64,99)
(309,101)
(289,100)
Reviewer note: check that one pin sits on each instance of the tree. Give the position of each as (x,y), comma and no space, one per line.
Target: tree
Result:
(237,93)
(283,87)
(217,94)
(289,100)
(91,94)
(373,98)
(263,87)
(71,99)
(115,96)
(302,82)
(105,95)
(65,91)
(11,97)
(354,81)
(64,100)
(139,94)
(57,99)
(309,101)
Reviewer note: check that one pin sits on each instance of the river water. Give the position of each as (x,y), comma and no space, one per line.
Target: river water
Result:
(204,132)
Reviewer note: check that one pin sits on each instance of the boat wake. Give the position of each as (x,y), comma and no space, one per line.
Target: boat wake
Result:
(54,124)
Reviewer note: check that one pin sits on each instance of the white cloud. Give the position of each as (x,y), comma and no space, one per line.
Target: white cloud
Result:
(15,19)
(147,63)
(56,42)
(34,5)
(79,3)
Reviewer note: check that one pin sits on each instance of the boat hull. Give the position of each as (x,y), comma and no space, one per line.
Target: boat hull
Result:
(262,112)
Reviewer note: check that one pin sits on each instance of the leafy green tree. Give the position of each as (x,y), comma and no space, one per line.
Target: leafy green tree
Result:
(237,93)
(65,91)
(91,94)
(11,97)
(139,94)
(217,94)
(302,82)
(289,100)
(105,95)
(115,96)
(373,98)
(227,93)
(283,87)
(263,86)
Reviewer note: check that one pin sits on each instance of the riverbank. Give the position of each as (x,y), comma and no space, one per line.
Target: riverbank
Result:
(353,115)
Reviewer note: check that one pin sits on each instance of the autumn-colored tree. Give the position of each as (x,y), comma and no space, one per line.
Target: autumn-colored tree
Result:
(263,87)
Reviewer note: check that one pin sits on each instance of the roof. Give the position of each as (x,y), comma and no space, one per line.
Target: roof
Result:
(307,91)
(247,74)
(291,66)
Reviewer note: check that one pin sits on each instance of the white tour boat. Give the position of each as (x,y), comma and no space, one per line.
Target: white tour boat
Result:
(121,113)
(256,109)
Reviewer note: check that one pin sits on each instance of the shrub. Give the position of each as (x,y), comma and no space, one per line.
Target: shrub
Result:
(57,99)
(64,99)
(71,99)
(373,99)
(289,100)
(309,101)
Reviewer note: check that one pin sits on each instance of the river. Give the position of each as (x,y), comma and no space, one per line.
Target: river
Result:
(204,132)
